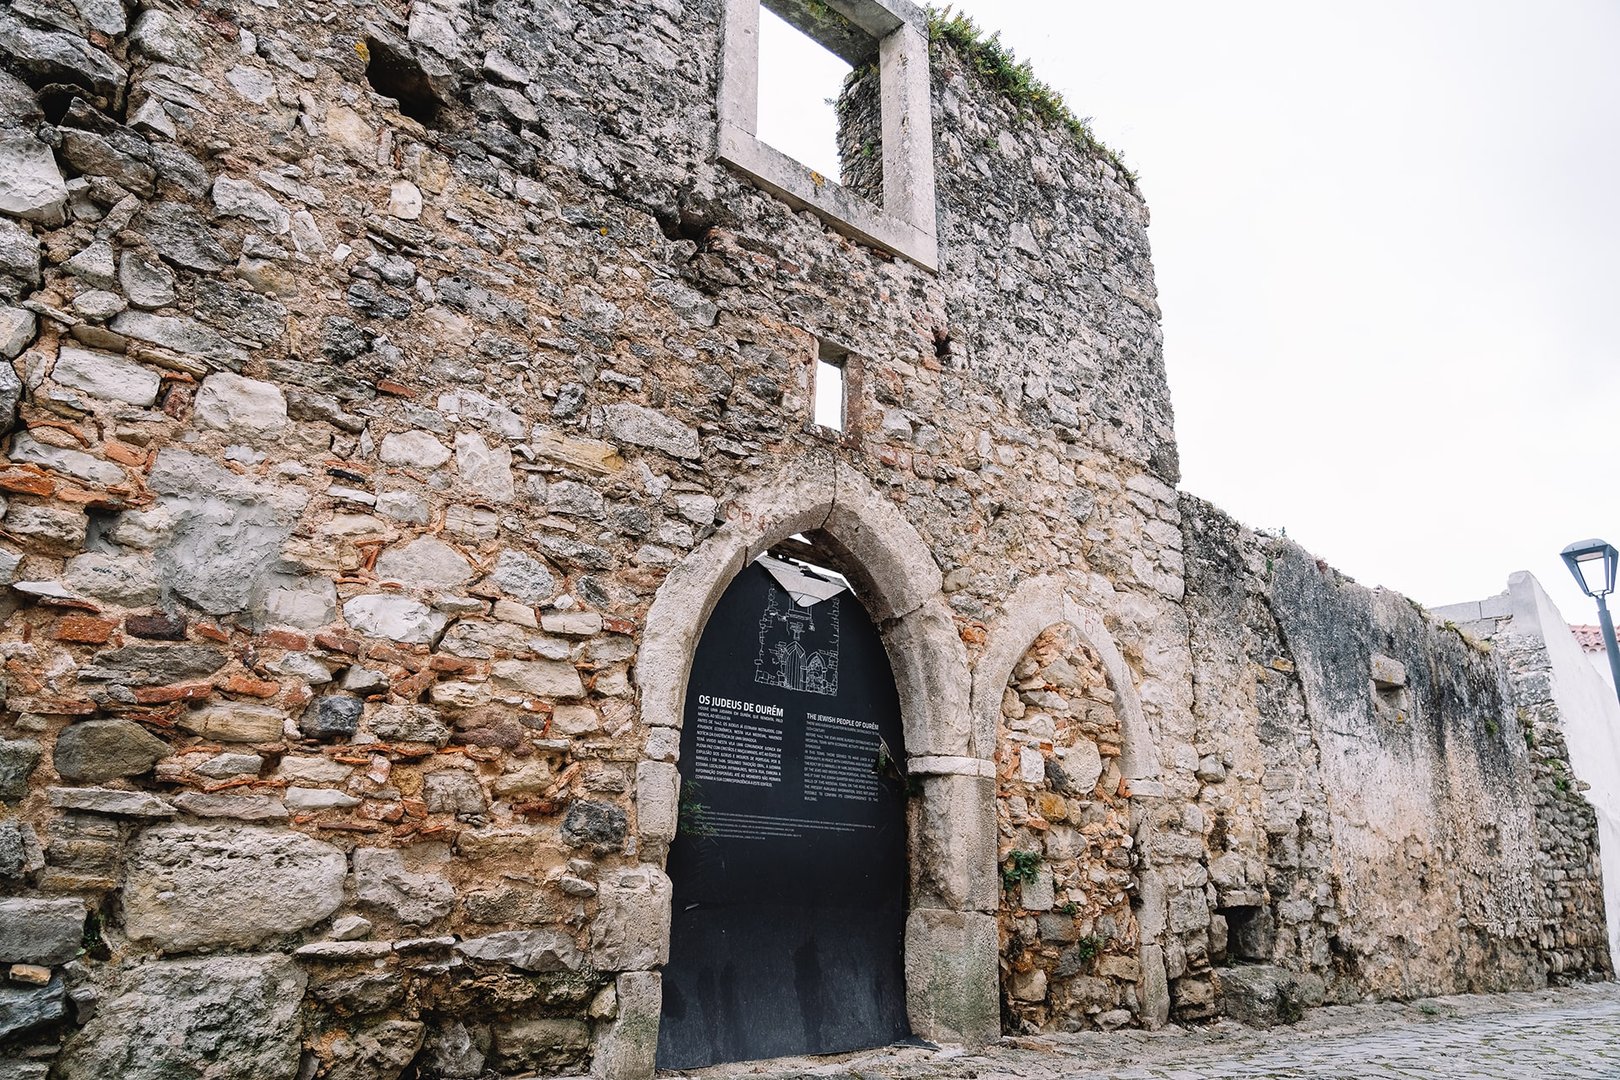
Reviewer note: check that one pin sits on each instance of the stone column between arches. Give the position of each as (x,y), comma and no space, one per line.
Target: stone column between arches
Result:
(950,941)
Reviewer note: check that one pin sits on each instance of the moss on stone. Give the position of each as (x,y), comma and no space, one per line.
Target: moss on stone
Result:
(1016,79)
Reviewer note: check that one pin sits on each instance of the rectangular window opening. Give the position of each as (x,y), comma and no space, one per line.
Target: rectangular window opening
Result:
(800,81)
(830,388)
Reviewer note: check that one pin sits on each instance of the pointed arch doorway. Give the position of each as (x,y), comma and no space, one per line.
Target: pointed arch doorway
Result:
(789,860)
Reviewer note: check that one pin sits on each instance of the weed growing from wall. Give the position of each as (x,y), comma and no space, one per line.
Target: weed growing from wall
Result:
(1016,79)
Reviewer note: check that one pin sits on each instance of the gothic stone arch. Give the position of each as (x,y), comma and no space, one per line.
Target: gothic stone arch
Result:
(950,942)
(1039,603)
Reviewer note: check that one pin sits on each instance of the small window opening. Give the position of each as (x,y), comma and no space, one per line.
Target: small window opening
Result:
(799,85)
(830,388)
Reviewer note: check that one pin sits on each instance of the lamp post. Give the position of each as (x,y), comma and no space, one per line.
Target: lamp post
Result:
(1593,564)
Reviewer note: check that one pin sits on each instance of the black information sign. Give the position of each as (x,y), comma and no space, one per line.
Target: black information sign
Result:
(789,865)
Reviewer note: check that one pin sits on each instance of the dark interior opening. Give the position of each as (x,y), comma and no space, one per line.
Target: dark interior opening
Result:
(397,75)
(1250,933)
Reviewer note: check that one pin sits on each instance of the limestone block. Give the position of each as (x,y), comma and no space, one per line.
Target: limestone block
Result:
(1031,764)
(1155,989)
(425,563)
(628,1049)
(142,529)
(542,678)
(1188,911)
(406,884)
(453,791)
(98,305)
(17,329)
(129,580)
(183,335)
(413,449)
(540,1046)
(190,886)
(952,976)
(147,284)
(31,185)
(60,57)
(110,801)
(46,932)
(1261,995)
(300,799)
(524,577)
(575,720)
(97,750)
(528,779)
(486,470)
(1083,765)
(243,408)
(239,198)
(631,931)
(312,769)
(224,1016)
(160,36)
(235,722)
(658,788)
(530,950)
(228,531)
(224,766)
(640,426)
(1038,893)
(307,603)
(954,867)
(1387,672)
(405,198)
(54,530)
(94,266)
(933,681)
(571,623)
(591,455)
(378,1052)
(74,463)
(1028,985)
(408,723)
(403,506)
(231,805)
(398,618)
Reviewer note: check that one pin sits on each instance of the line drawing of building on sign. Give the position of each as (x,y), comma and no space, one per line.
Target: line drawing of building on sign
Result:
(793,653)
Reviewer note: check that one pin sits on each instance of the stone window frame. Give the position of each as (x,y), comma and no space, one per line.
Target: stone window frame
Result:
(905,224)
(853,366)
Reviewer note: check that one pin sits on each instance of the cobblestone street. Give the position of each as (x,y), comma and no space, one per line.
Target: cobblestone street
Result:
(1567,1034)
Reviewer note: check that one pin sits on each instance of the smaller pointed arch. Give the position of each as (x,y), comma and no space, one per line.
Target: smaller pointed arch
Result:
(1039,603)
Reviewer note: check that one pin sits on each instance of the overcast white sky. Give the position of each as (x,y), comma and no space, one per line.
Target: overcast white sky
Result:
(1387,238)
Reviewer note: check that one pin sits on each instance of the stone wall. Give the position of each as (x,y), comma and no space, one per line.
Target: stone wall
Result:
(1069,939)
(1380,823)
(1569,716)
(391,389)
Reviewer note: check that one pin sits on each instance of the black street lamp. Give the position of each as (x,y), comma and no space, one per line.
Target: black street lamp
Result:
(1593,564)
